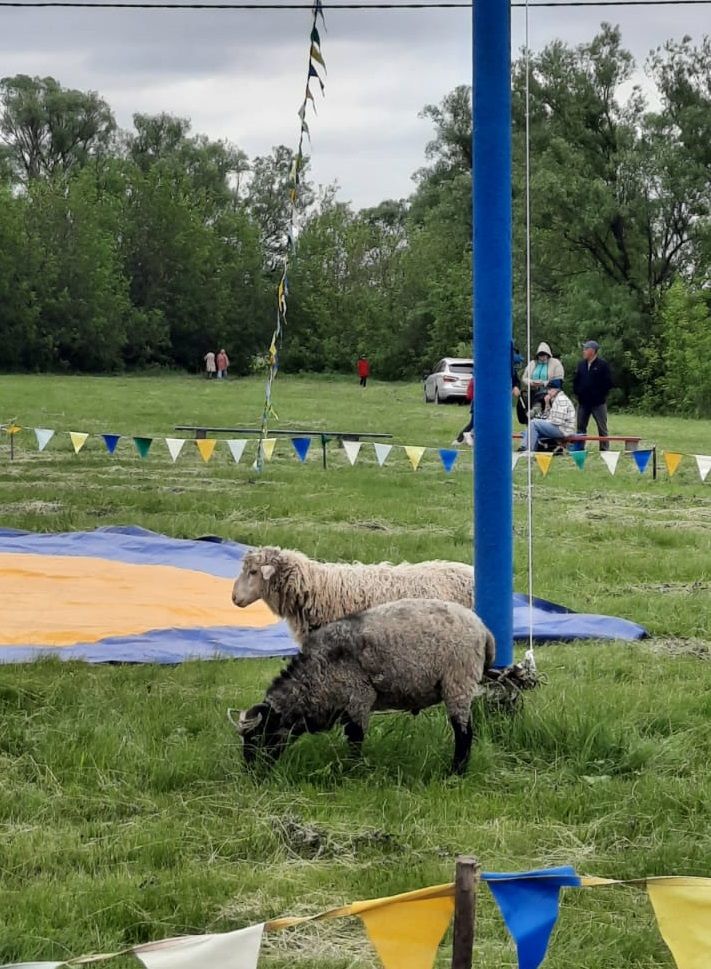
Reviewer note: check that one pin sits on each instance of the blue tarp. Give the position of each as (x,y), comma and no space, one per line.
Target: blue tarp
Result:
(221,558)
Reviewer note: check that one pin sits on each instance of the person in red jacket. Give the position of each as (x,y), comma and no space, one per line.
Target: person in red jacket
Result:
(470,400)
(363,370)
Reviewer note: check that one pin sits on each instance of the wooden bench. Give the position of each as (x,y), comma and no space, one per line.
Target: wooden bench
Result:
(201,431)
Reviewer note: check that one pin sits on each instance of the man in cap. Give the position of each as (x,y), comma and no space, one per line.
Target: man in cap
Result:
(558,419)
(591,386)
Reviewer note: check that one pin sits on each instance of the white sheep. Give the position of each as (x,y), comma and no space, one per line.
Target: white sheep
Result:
(309,594)
(404,655)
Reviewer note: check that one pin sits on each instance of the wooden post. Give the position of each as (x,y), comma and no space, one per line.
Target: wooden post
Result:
(466,883)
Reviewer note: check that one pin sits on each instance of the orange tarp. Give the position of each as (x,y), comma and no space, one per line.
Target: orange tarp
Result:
(62,600)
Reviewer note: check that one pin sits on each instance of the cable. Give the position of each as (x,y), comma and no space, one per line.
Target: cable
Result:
(106,5)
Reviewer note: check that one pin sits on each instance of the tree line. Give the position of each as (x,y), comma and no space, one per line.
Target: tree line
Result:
(129,249)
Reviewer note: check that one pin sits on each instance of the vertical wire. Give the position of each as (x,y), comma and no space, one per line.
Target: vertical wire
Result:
(529,348)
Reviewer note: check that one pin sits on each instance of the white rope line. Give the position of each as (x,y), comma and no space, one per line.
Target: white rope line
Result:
(529,348)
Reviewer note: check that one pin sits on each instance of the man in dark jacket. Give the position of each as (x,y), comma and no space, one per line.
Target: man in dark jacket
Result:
(591,386)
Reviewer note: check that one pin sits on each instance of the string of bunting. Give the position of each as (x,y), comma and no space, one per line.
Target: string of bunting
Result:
(315,58)
(406,930)
(301,446)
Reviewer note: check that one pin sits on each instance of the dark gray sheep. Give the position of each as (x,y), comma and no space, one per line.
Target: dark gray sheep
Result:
(404,655)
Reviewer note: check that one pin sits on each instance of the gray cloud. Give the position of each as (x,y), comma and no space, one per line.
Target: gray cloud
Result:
(240,75)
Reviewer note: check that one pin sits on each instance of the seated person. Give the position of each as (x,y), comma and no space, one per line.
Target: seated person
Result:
(558,419)
(459,439)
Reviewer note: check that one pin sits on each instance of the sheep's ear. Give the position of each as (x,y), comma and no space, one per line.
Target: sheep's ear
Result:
(243,723)
(267,572)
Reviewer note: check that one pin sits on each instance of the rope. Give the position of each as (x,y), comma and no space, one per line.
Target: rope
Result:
(87,4)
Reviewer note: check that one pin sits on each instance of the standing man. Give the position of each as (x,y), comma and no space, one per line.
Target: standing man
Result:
(223,362)
(363,370)
(591,386)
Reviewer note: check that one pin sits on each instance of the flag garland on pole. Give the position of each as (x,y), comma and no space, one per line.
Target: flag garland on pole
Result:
(315,57)
(406,930)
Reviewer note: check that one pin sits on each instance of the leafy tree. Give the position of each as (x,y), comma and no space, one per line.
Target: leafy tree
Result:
(47,129)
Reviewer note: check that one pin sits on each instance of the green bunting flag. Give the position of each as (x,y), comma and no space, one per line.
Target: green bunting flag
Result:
(143,445)
(579,457)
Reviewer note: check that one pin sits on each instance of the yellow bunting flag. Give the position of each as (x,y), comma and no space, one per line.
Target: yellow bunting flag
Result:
(268,447)
(206,446)
(13,429)
(543,461)
(78,440)
(316,56)
(672,459)
(683,910)
(415,455)
(406,934)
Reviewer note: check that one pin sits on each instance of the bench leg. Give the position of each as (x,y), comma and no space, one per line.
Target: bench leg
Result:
(323,448)
(200,434)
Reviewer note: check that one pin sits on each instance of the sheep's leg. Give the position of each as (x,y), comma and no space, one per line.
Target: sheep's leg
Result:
(463,735)
(354,734)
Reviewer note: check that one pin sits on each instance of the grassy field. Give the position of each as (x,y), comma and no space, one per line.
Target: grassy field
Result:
(125,812)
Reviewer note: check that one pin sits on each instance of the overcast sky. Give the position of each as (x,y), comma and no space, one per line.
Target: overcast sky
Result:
(239,74)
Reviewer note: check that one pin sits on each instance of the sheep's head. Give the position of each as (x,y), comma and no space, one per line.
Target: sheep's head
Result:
(262,731)
(258,568)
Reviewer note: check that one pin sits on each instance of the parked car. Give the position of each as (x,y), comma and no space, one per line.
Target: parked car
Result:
(448,380)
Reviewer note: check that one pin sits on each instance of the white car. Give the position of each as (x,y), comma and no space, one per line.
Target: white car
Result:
(448,380)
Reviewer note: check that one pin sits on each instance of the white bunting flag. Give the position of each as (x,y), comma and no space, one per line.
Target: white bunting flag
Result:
(514,459)
(703,463)
(227,950)
(44,436)
(381,452)
(237,449)
(352,449)
(175,446)
(611,458)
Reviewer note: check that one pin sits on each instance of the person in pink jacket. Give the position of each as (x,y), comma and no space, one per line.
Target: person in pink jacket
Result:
(223,362)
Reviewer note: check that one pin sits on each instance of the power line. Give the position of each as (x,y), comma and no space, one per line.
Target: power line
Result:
(107,5)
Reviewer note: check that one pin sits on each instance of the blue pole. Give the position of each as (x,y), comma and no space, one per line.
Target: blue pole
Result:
(492,332)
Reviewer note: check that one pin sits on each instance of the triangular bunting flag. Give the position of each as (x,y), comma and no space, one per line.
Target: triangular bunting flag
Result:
(610,458)
(352,449)
(415,455)
(514,459)
(448,457)
(13,429)
(175,446)
(406,933)
(268,447)
(381,452)
(315,37)
(111,440)
(237,449)
(543,461)
(316,55)
(528,903)
(641,459)
(227,950)
(683,910)
(78,440)
(672,459)
(44,436)
(206,447)
(143,445)
(301,446)
(580,457)
(703,463)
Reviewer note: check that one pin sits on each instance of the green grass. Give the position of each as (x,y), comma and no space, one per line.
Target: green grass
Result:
(125,812)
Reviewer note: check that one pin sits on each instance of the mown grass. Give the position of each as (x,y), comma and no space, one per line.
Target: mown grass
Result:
(125,812)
